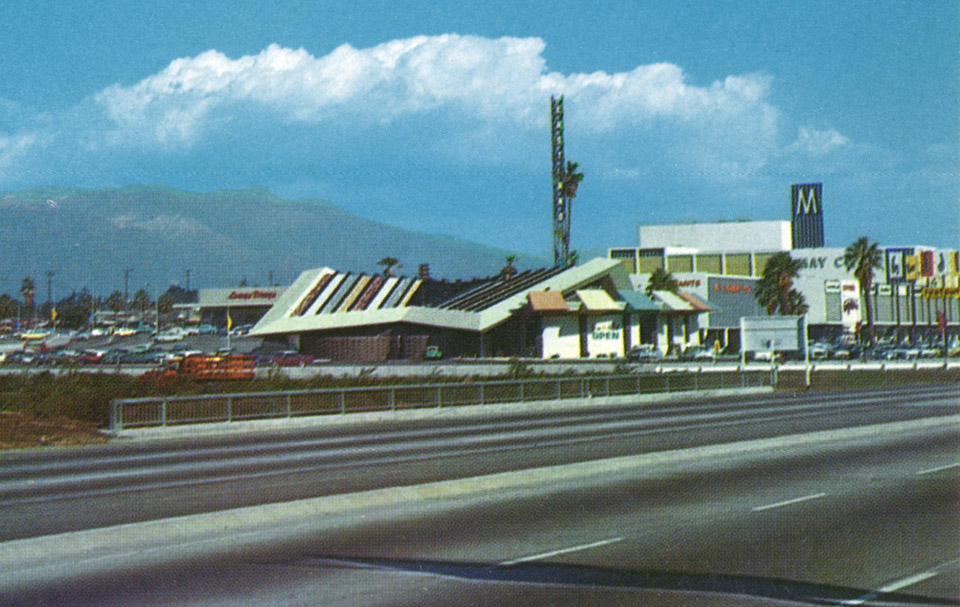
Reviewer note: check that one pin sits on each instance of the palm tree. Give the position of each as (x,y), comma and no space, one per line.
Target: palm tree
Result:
(571,179)
(863,257)
(509,270)
(775,290)
(388,264)
(661,280)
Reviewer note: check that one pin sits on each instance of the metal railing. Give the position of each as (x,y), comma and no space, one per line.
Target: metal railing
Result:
(209,408)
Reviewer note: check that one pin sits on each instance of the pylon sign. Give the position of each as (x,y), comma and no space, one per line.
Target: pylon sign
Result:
(806,210)
(561,205)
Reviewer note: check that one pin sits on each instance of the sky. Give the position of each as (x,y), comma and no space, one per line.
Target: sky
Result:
(435,117)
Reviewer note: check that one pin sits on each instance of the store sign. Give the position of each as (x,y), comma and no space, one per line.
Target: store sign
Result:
(693,282)
(941,293)
(831,286)
(609,329)
(732,288)
(849,305)
(819,263)
(896,268)
(248,295)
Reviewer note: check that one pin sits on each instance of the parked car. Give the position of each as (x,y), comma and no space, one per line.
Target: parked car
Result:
(699,354)
(240,331)
(207,330)
(170,335)
(286,358)
(820,351)
(645,353)
(432,353)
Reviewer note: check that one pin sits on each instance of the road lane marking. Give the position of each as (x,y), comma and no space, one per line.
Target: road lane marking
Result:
(938,468)
(907,581)
(892,587)
(788,502)
(544,555)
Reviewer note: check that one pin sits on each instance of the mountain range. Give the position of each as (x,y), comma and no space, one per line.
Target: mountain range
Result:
(89,237)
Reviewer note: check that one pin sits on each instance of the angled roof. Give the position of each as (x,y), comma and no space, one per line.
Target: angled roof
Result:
(598,300)
(314,302)
(680,302)
(638,301)
(547,301)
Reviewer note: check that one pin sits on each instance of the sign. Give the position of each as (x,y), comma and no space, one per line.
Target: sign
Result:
(732,288)
(248,295)
(806,199)
(849,305)
(609,329)
(771,333)
(896,270)
(831,286)
(926,263)
(693,282)
(806,210)
(940,293)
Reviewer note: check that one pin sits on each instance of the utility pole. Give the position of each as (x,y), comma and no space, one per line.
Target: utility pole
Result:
(271,278)
(188,280)
(126,283)
(50,274)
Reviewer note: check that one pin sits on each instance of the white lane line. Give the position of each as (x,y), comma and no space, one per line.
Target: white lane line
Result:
(907,581)
(938,468)
(892,587)
(544,555)
(788,502)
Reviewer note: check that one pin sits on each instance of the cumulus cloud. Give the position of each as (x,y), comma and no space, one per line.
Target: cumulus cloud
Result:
(495,81)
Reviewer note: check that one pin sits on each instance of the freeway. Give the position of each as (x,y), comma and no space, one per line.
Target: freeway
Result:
(865,512)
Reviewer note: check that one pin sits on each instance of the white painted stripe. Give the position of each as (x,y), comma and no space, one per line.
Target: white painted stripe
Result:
(788,502)
(544,555)
(938,469)
(907,581)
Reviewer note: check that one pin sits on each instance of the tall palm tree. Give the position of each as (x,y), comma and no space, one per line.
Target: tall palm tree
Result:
(863,257)
(775,290)
(509,270)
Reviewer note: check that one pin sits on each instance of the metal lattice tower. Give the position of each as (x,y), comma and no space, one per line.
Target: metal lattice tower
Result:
(561,206)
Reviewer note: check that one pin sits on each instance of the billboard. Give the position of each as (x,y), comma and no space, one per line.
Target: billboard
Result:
(772,333)
(806,212)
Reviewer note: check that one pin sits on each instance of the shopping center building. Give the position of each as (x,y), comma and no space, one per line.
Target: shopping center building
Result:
(721,263)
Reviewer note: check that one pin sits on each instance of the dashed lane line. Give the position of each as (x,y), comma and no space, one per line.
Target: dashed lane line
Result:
(789,502)
(544,555)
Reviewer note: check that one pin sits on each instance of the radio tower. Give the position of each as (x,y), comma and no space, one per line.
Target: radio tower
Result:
(561,206)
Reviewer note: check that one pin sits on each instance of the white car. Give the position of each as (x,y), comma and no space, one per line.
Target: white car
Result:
(169,336)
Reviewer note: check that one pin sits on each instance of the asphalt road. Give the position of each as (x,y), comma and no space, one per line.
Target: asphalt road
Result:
(846,517)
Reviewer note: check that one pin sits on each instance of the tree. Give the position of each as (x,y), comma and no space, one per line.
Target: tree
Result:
(243,283)
(115,301)
(388,264)
(571,179)
(174,295)
(509,270)
(863,257)
(775,290)
(8,307)
(27,290)
(661,280)
(141,301)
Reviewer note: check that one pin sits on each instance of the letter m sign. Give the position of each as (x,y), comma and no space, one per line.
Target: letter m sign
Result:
(806,199)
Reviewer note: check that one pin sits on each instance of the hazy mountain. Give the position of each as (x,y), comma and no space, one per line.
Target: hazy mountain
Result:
(88,237)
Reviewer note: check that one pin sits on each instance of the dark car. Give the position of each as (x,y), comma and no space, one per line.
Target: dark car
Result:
(286,358)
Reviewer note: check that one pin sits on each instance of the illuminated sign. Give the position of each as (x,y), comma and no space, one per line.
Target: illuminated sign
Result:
(247,295)
(609,329)
(693,282)
(806,210)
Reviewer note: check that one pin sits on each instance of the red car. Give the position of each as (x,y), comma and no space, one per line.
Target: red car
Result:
(287,358)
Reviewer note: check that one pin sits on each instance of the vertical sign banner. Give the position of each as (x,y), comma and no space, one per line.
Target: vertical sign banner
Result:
(849,305)
(806,211)
(895,268)
(926,263)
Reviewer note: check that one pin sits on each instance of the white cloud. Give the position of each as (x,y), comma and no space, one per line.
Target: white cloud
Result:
(501,81)
(817,143)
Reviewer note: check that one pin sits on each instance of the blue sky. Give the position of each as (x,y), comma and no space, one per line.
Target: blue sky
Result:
(435,117)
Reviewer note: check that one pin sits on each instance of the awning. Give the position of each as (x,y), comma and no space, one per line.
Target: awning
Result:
(671,302)
(638,301)
(547,301)
(598,300)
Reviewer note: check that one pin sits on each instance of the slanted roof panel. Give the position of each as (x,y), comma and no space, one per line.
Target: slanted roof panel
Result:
(547,301)
(639,301)
(598,300)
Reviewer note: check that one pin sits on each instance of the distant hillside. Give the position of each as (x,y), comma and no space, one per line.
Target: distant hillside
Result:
(88,237)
